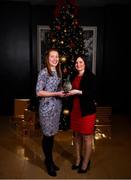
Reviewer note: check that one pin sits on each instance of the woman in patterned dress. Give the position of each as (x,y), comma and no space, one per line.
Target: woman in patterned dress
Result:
(83,112)
(48,88)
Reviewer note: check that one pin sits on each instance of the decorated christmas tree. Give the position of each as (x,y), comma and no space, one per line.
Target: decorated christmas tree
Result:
(66,35)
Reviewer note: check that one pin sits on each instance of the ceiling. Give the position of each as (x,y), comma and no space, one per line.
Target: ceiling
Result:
(81,3)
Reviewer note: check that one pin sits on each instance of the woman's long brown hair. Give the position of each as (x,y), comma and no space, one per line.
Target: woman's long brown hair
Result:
(58,68)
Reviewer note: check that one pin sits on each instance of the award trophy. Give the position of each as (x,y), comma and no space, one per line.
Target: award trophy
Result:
(67,85)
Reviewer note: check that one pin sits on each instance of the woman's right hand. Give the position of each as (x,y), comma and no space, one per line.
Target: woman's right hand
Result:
(60,93)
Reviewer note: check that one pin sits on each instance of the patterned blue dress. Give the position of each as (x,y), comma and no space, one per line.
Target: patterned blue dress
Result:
(49,107)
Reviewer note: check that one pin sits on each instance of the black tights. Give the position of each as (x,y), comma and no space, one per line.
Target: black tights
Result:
(47,146)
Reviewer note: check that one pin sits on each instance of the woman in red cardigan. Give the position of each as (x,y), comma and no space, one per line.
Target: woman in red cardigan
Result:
(83,112)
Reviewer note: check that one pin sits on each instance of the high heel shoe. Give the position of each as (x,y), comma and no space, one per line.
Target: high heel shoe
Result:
(80,170)
(89,165)
(75,166)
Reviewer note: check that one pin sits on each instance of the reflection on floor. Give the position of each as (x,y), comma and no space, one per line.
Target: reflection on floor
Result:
(21,156)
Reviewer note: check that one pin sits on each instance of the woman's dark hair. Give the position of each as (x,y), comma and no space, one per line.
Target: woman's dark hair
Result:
(75,72)
(83,57)
(58,68)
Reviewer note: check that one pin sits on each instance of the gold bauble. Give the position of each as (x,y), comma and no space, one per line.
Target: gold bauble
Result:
(62,42)
(53,40)
(63,59)
(66,112)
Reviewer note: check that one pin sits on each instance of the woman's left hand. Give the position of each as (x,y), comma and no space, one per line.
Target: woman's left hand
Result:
(73,92)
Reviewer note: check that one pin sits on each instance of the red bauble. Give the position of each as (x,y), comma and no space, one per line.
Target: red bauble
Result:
(65,71)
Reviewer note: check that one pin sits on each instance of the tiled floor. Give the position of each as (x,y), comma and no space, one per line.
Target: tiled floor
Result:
(22,157)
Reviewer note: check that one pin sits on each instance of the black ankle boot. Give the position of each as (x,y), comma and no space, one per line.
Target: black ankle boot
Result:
(50,168)
(56,167)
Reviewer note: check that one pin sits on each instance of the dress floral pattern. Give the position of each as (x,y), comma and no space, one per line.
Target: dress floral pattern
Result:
(50,107)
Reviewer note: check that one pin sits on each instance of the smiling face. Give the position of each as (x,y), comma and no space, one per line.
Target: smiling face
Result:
(53,58)
(80,65)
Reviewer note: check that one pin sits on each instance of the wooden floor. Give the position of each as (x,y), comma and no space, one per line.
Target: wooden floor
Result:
(21,157)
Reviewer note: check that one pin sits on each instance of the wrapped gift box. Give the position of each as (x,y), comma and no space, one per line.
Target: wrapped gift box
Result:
(31,117)
(103,115)
(20,105)
(22,127)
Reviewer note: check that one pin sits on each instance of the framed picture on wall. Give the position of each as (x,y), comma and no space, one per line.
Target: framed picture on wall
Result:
(42,34)
(90,43)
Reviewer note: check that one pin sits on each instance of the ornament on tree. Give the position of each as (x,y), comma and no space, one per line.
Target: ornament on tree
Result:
(75,22)
(53,40)
(63,59)
(58,28)
(65,71)
(62,42)
(72,45)
(66,112)
(72,16)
